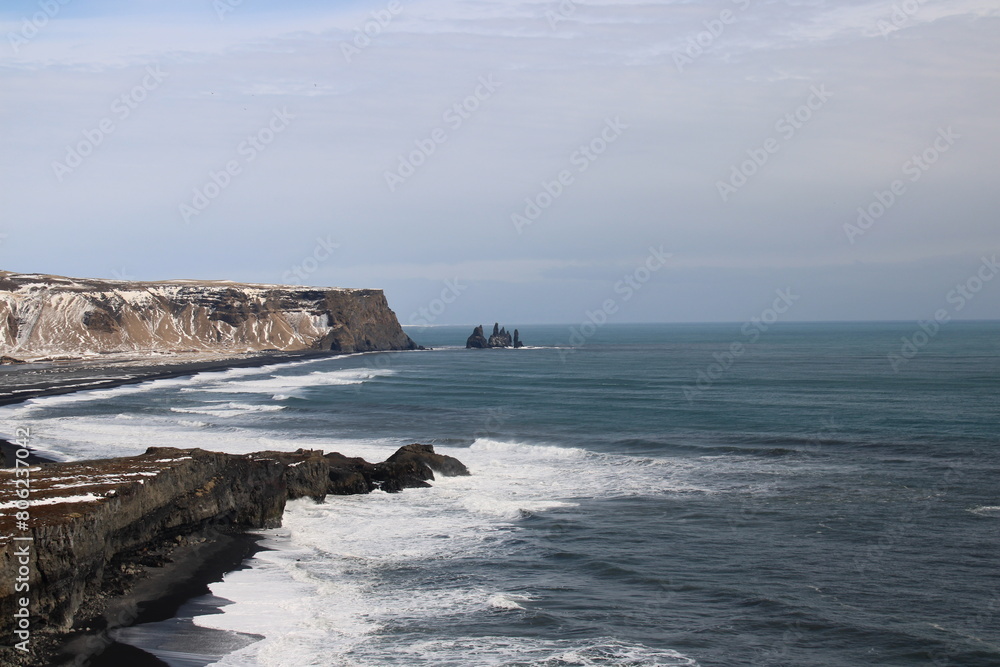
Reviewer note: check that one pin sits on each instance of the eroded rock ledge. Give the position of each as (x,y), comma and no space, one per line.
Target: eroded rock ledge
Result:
(92,520)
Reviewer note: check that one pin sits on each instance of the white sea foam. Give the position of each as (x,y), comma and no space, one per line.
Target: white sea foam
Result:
(228,409)
(333,559)
(986,510)
(321,589)
(282,384)
(508,651)
(207,380)
(318,592)
(567,473)
(507,601)
(95,437)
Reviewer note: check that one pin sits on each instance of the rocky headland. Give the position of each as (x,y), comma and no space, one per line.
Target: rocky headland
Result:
(499,338)
(45,317)
(94,529)
(89,546)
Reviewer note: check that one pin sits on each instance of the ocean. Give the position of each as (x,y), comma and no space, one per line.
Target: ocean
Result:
(640,495)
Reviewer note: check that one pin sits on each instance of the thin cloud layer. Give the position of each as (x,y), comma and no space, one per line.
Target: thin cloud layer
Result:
(469,141)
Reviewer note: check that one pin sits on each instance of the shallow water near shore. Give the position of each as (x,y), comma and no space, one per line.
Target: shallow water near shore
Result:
(801,503)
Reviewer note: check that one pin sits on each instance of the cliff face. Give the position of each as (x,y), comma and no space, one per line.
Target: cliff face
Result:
(91,520)
(51,316)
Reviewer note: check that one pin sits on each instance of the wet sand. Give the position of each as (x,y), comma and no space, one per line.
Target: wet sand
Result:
(151,625)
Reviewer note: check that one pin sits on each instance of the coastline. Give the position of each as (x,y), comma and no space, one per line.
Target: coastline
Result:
(145,534)
(145,596)
(154,603)
(67,377)
(150,595)
(155,596)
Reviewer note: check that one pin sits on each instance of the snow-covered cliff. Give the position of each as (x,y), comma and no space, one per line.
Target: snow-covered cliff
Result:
(45,316)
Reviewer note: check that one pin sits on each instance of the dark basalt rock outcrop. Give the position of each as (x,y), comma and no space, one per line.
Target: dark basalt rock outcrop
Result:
(499,338)
(415,464)
(117,510)
(477,340)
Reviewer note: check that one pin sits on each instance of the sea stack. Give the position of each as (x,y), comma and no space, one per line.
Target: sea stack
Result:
(477,340)
(499,338)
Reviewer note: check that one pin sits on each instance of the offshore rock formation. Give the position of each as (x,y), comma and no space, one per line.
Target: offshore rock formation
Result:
(499,338)
(91,521)
(477,340)
(45,316)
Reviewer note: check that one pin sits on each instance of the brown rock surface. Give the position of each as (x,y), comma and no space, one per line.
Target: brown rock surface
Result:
(44,316)
(91,520)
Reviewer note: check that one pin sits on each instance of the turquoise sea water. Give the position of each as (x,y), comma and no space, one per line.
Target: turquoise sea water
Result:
(650,496)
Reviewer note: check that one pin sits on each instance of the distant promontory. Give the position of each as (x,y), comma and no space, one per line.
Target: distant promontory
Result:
(45,317)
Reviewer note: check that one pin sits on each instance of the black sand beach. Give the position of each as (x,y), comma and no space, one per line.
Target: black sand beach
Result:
(155,611)
(154,616)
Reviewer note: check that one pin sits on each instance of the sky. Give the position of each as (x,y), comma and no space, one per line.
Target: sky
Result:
(527,162)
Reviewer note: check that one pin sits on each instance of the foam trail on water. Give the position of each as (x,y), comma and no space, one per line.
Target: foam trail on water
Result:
(350,549)
(223,380)
(71,426)
(283,383)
